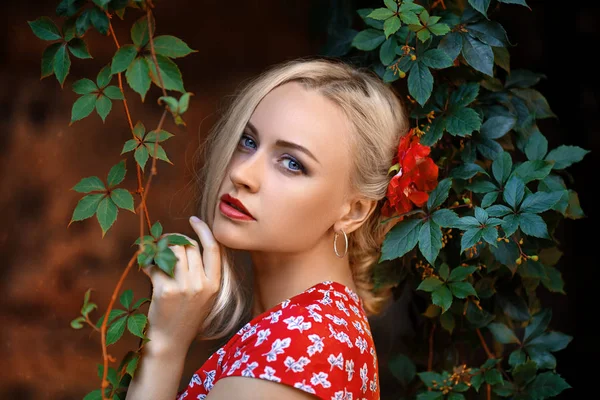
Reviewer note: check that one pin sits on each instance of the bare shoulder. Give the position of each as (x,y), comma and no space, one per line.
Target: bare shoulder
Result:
(246,388)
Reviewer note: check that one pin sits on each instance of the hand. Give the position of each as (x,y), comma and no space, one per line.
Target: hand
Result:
(180,304)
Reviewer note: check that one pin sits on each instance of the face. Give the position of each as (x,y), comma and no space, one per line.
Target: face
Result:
(294,198)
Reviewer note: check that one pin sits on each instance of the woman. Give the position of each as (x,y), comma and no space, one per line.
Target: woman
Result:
(295,174)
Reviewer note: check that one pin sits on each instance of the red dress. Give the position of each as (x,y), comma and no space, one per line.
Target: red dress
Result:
(318,341)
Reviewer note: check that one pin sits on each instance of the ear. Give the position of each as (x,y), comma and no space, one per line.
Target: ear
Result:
(358,212)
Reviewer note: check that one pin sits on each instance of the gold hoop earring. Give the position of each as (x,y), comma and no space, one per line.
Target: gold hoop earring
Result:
(335,236)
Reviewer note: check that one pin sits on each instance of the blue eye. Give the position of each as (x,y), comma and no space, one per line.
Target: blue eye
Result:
(299,168)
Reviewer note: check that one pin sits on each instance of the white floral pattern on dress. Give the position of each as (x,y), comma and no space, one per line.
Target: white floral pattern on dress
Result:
(304,342)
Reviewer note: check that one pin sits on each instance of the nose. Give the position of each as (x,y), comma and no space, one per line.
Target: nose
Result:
(246,171)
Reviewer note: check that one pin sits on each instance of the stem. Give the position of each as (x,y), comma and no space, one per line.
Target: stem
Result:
(105,356)
(160,80)
(436,2)
(485,347)
(488,389)
(430,359)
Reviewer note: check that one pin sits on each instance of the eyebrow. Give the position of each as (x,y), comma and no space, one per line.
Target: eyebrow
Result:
(285,143)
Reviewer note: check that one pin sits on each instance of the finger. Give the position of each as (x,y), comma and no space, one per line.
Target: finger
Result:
(180,272)
(195,265)
(211,253)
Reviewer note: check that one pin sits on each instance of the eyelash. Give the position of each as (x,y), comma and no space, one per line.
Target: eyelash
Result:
(300,169)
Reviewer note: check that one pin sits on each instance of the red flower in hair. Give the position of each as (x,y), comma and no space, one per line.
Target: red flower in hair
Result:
(416,175)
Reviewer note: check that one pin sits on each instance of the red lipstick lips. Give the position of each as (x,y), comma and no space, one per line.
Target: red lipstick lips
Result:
(233,208)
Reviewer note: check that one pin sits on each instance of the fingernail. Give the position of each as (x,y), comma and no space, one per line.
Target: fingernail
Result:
(195,219)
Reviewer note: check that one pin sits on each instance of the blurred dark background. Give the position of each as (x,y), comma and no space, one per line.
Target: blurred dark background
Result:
(47,268)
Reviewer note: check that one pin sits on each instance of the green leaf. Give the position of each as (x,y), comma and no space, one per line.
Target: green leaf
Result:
(87,308)
(498,210)
(169,71)
(436,58)
(468,222)
(48,59)
(391,4)
(113,92)
(429,377)
(522,78)
(505,389)
(123,58)
(420,82)
(489,148)
(533,225)
(497,126)
(430,284)
(489,199)
(462,289)
(502,333)
(478,55)
(423,34)
(540,201)
(490,234)
(536,147)
(170,46)
(514,191)
(152,136)
(410,18)
(536,103)
(467,171)
(543,358)
(99,20)
(102,3)
(460,273)
(104,77)
(464,95)
(442,297)
(103,106)
(111,317)
(140,302)
(136,324)
(401,239)
(430,240)
(532,269)
(493,377)
(514,306)
(166,261)
(391,26)
(451,44)
(184,102)
(363,12)
(83,107)
(403,368)
(106,214)
(445,218)
(488,32)
(77,323)
(510,225)
(126,298)
(123,199)
(132,365)
(381,14)
(83,22)
(138,76)
(447,321)
(440,29)
(553,280)
(501,167)
(501,58)
(533,170)
(84,86)
(551,341)
(547,384)
(89,184)
(68,8)
(62,64)
(481,6)
(444,271)
(517,357)
(160,153)
(476,317)
(439,194)
(79,49)
(141,156)
(476,380)
(463,122)
(115,331)
(368,40)
(45,29)
(129,145)
(387,51)
(470,238)
(156,229)
(87,206)
(564,156)
(116,174)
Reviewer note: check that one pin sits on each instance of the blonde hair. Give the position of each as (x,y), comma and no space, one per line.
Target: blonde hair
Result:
(378,119)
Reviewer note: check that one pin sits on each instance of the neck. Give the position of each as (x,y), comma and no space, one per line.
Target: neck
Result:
(280,276)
